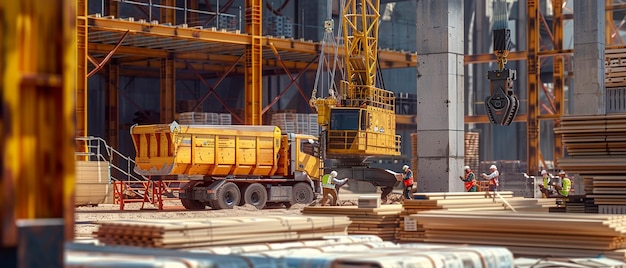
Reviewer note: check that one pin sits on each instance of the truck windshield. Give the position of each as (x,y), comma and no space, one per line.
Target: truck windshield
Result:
(341,119)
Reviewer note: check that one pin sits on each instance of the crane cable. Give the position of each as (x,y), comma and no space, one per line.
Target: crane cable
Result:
(500,22)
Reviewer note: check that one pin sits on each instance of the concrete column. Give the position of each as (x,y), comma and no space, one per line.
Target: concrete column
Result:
(440,99)
(589,44)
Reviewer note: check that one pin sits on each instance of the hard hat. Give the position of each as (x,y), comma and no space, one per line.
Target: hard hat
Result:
(561,172)
(493,167)
(405,167)
(544,172)
(466,168)
(333,173)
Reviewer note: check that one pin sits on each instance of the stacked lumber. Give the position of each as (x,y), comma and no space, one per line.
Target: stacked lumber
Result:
(185,233)
(596,145)
(410,230)
(472,158)
(381,221)
(296,123)
(200,118)
(615,68)
(528,233)
(93,183)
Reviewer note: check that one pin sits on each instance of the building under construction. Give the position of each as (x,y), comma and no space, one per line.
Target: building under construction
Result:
(78,75)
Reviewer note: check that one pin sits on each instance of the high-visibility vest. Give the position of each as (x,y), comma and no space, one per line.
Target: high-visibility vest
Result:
(567,186)
(327,181)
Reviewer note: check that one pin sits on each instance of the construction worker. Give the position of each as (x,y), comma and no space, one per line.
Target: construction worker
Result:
(407,180)
(493,177)
(469,180)
(546,183)
(566,184)
(328,187)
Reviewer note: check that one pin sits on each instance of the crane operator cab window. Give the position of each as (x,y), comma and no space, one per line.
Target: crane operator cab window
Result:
(348,119)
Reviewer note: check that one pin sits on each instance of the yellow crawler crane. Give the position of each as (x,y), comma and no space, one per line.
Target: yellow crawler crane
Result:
(359,122)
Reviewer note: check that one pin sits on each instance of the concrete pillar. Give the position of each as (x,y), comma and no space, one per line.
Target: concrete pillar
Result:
(589,44)
(440,99)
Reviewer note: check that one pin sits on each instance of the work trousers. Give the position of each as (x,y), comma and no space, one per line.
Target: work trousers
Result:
(333,194)
(407,192)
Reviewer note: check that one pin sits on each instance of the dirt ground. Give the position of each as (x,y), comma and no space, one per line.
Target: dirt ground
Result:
(87,216)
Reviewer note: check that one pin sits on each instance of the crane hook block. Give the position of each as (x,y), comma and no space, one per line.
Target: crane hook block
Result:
(502,105)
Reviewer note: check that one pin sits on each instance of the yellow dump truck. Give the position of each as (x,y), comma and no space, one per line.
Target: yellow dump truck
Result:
(230,165)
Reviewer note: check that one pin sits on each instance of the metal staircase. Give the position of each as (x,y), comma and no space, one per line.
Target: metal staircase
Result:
(126,182)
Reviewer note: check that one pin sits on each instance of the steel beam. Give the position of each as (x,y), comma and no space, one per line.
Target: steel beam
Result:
(168,89)
(108,56)
(38,66)
(559,76)
(81,75)
(532,65)
(254,68)
(168,15)
(112,8)
(111,106)
(293,80)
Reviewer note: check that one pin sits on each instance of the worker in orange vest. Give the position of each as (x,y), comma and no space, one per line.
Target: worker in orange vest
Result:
(407,180)
(469,180)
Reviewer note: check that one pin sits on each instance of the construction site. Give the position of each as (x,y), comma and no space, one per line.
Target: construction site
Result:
(319,133)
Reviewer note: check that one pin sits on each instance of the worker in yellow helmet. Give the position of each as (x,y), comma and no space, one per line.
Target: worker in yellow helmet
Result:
(328,187)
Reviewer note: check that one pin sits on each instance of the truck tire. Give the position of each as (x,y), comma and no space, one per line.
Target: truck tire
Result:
(228,196)
(256,195)
(192,204)
(302,194)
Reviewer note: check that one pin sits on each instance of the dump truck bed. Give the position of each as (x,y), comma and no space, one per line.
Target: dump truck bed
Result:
(210,150)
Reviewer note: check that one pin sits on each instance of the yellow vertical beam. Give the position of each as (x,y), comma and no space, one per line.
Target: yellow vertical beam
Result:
(254,69)
(168,88)
(81,76)
(532,44)
(37,86)
(559,79)
(168,15)
(609,27)
(111,117)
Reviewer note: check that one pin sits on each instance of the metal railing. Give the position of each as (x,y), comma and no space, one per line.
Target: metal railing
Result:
(98,150)
(229,21)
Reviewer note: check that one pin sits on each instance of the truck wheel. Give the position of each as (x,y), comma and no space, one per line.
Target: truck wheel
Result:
(301,194)
(228,196)
(192,204)
(256,195)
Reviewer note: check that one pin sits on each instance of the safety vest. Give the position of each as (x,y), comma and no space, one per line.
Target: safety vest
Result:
(567,186)
(327,181)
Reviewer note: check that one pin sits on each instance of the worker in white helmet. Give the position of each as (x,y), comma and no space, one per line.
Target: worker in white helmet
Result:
(469,179)
(493,178)
(328,187)
(407,181)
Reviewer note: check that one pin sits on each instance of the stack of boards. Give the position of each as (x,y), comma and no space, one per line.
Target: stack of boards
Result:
(596,147)
(529,233)
(410,230)
(195,232)
(381,221)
